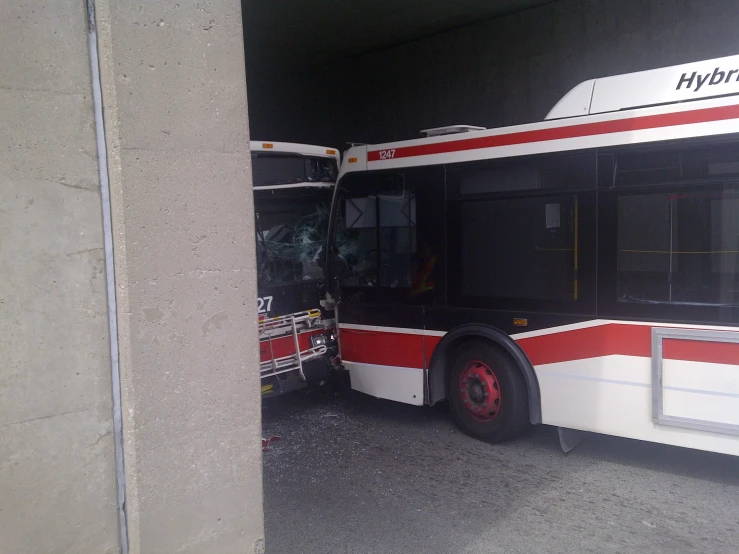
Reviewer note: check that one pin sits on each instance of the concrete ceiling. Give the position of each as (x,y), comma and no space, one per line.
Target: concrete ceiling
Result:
(317,32)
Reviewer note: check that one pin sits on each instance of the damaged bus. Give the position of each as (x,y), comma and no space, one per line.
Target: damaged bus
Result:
(293,185)
(580,272)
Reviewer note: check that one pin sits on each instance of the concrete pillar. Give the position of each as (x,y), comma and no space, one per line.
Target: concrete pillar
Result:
(57,471)
(176,140)
(174,94)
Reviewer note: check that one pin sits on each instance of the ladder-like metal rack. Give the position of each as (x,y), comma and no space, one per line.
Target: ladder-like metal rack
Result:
(281,327)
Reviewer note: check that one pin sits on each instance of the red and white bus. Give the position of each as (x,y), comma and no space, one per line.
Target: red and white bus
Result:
(293,186)
(581,272)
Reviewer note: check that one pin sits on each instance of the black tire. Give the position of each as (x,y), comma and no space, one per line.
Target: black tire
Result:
(511,416)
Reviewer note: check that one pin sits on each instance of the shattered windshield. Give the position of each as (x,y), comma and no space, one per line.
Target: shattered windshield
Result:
(291,227)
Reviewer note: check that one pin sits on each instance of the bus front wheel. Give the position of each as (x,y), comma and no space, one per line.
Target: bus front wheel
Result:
(487,393)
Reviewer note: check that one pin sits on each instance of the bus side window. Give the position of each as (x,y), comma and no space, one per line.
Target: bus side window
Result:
(679,247)
(519,248)
(516,232)
(672,225)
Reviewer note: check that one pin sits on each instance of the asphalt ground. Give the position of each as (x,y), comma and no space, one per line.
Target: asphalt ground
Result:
(354,474)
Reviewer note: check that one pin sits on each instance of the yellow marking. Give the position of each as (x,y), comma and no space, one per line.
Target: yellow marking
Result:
(267,389)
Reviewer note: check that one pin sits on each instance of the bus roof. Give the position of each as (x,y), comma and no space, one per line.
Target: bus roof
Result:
(691,100)
(666,85)
(294,148)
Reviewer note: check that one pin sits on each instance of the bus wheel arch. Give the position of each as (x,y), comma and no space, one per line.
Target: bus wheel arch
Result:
(444,353)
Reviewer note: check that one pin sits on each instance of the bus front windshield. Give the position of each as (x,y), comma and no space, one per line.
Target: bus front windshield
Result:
(291,227)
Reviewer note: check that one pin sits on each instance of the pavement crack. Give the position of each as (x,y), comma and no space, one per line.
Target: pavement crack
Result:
(40,418)
(40,90)
(101,437)
(77,187)
(84,251)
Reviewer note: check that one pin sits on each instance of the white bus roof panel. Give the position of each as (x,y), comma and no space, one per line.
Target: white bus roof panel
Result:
(679,83)
(667,85)
(575,103)
(595,114)
(711,117)
(293,148)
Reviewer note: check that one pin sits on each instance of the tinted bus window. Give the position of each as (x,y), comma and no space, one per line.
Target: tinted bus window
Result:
(284,169)
(542,173)
(517,232)
(654,165)
(519,248)
(679,247)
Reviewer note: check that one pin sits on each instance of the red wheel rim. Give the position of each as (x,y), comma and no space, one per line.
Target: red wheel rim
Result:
(479,391)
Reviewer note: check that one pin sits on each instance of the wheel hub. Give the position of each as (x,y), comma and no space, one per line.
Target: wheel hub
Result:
(480,391)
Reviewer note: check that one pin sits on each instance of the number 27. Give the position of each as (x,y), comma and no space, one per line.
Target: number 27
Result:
(261,302)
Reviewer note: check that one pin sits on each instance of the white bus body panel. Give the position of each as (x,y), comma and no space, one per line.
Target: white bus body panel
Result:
(618,394)
(613,395)
(401,384)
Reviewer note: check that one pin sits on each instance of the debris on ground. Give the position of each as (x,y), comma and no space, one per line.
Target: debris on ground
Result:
(267,442)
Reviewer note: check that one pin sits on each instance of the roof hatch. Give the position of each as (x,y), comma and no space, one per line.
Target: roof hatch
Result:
(450,130)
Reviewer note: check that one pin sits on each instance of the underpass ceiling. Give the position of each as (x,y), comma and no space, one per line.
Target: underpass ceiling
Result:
(317,32)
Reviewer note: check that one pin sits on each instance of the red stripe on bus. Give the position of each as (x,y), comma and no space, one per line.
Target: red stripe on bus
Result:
(382,348)
(431,344)
(590,342)
(407,350)
(567,132)
(701,351)
(285,345)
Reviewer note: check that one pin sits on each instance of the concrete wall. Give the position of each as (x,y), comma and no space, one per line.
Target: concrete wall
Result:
(178,142)
(57,474)
(504,71)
